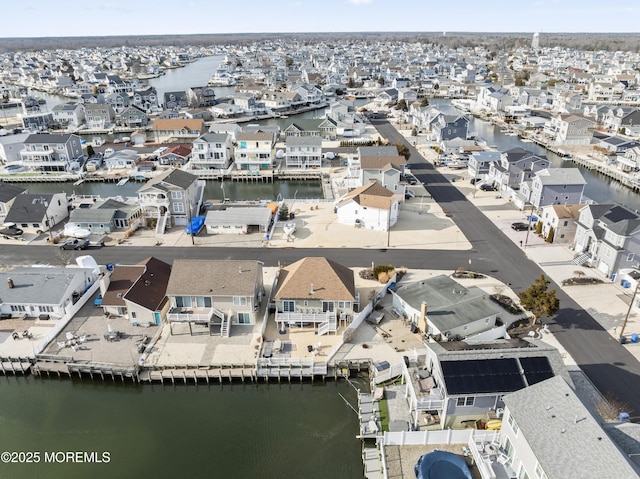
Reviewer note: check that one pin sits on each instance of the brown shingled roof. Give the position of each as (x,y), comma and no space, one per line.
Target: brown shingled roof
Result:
(331,281)
(381,162)
(213,278)
(174,124)
(374,195)
(150,288)
(122,278)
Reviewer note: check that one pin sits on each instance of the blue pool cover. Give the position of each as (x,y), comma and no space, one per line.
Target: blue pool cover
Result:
(442,465)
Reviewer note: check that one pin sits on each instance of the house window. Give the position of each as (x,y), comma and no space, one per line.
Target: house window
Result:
(305,303)
(202,302)
(465,401)
(18,308)
(183,301)
(244,318)
(133,315)
(630,257)
(178,208)
(240,300)
(328,306)
(288,306)
(539,472)
(45,309)
(344,304)
(566,223)
(176,195)
(514,426)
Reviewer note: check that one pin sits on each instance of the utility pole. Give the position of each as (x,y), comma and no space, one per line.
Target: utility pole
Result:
(626,317)
(529,226)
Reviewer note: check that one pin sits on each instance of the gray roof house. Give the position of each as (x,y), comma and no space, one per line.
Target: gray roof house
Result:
(238,220)
(462,382)
(8,193)
(554,186)
(106,216)
(303,152)
(548,432)
(45,152)
(32,292)
(444,309)
(35,213)
(608,238)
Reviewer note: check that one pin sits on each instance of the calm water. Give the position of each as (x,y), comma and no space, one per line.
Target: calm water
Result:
(222,431)
(235,190)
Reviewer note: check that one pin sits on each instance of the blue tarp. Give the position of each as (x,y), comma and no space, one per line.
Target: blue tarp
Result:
(442,465)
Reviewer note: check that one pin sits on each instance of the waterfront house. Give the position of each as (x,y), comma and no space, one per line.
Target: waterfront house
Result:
(570,129)
(386,170)
(133,117)
(303,152)
(315,291)
(10,147)
(177,129)
(464,382)
(99,116)
(608,238)
(562,220)
(176,155)
(554,186)
(68,115)
(212,151)
(205,96)
(625,120)
(515,166)
(322,127)
(241,220)
(146,99)
(371,206)
(43,152)
(137,292)
(309,94)
(106,216)
(172,196)
(386,97)
(35,213)
(444,309)
(630,160)
(43,292)
(480,162)
(447,124)
(548,431)
(176,100)
(227,110)
(275,100)
(255,151)
(122,159)
(37,121)
(8,194)
(118,101)
(231,129)
(215,294)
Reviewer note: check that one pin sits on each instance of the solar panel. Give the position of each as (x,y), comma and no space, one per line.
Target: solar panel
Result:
(478,376)
(536,369)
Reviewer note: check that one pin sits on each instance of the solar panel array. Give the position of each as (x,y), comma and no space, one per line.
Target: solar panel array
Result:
(481,376)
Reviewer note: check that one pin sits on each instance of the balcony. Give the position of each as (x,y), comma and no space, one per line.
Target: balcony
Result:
(202,315)
(305,316)
(154,200)
(490,458)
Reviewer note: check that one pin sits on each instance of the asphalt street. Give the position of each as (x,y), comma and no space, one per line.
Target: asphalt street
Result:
(612,369)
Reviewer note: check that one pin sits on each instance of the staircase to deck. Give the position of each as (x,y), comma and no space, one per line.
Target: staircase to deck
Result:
(330,326)
(583,258)
(225,325)
(162,223)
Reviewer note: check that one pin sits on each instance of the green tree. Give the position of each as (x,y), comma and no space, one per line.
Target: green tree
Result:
(402,105)
(539,227)
(424,102)
(380,81)
(539,299)
(551,235)
(283,212)
(414,132)
(403,150)
(90,151)
(351,83)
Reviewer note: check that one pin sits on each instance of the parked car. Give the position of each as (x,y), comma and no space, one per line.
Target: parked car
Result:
(75,244)
(520,226)
(487,187)
(11,231)
(98,301)
(412,180)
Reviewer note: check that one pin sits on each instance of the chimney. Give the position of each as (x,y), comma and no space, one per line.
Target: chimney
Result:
(10,283)
(311,291)
(422,322)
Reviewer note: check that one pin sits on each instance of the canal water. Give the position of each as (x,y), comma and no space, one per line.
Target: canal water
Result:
(224,431)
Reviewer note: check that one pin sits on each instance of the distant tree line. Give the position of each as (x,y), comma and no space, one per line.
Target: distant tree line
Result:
(494,42)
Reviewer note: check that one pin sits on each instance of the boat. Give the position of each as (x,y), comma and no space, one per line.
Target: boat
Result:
(289,228)
(75,231)
(196,225)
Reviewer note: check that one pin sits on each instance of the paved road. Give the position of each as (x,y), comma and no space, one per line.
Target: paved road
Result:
(610,367)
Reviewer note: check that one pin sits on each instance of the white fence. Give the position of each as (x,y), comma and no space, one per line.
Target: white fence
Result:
(393,372)
(421,438)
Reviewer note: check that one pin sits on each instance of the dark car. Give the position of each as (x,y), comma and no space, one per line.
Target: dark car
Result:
(11,231)
(519,226)
(486,187)
(75,244)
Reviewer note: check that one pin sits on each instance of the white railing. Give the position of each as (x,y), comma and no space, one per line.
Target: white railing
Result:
(162,223)
(218,313)
(284,362)
(422,438)
(225,326)
(428,404)
(189,316)
(315,317)
(393,372)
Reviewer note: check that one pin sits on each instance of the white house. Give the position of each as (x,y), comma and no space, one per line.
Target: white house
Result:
(371,206)
(212,151)
(304,152)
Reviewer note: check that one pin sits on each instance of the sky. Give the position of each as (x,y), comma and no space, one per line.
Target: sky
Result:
(46,18)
